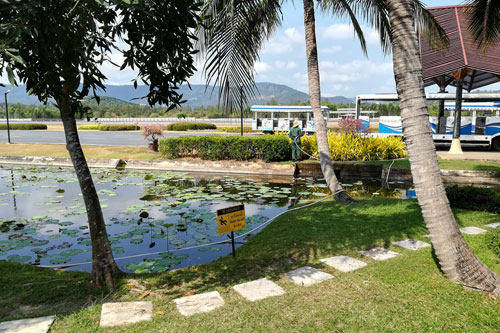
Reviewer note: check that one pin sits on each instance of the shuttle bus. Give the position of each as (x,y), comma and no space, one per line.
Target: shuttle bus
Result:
(479,131)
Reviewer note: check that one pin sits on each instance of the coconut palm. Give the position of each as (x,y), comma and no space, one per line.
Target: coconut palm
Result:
(484,16)
(456,259)
(233,33)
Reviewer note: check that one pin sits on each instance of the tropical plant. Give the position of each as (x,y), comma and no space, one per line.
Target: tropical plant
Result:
(356,147)
(456,259)
(56,48)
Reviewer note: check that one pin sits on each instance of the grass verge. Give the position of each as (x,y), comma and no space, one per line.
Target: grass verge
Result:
(35,149)
(407,293)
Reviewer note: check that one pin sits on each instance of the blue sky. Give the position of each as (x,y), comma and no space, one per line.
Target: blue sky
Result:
(344,69)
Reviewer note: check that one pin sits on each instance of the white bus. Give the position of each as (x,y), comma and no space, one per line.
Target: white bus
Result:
(475,131)
(277,118)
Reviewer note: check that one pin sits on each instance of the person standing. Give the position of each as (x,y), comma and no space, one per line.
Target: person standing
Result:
(295,134)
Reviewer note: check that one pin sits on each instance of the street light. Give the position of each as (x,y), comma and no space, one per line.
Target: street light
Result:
(7,115)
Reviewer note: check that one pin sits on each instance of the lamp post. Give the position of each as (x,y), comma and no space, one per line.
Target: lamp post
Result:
(7,117)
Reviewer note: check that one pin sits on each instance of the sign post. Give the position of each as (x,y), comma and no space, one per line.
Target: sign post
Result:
(230,220)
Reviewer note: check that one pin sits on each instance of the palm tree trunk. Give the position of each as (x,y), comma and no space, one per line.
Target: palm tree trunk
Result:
(104,267)
(315,98)
(456,259)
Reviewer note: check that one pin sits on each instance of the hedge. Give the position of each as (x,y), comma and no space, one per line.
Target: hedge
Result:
(474,198)
(237,129)
(110,127)
(216,147)
(190,126)
(24,126)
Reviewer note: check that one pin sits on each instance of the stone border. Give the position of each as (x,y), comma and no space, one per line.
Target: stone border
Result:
(233,167)
(367,171)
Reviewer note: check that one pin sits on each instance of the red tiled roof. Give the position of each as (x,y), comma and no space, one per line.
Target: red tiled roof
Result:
(462,53)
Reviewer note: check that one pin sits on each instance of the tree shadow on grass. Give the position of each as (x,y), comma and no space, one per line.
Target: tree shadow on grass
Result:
(292,241)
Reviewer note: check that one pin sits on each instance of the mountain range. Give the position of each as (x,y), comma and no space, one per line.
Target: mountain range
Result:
(197,96)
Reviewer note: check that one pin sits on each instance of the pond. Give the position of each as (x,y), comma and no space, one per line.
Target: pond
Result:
(156,221)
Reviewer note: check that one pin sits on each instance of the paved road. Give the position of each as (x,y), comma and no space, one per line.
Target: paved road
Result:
(87,138)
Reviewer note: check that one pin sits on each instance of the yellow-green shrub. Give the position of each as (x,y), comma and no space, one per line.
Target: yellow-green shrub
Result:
(358,147)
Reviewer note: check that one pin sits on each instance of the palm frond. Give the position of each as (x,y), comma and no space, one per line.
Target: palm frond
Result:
(484,21)
(428,26)
(230,38)
(346,8)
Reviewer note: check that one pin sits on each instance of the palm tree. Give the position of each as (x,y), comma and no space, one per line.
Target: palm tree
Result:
(456,259)
(484,16)
(233,34)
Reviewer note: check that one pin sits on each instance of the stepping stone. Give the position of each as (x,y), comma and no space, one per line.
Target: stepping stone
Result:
(344,263)
(379,253)
(123,313)
(189,305)
(258,289)
(473,230)
(411,244)
(307,276)
(493,225)
(33,325)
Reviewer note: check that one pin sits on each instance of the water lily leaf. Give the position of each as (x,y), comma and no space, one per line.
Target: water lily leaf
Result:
(71,253)
(144,215)
(60,261)
(60,190)
(18,258)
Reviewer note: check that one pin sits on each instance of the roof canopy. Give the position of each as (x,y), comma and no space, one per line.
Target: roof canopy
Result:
(482,68)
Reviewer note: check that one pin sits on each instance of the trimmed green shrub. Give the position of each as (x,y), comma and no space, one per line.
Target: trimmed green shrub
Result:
(474,198)
(216,147)
(24,126)
(93,127)
(119,127)
(493,241)
(190,126)
(237,129)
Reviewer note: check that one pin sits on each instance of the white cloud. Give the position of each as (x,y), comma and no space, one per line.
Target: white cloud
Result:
(342,31)
(262,67)
(294,35)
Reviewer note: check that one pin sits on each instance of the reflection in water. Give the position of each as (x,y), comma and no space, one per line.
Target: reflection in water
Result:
(157,213)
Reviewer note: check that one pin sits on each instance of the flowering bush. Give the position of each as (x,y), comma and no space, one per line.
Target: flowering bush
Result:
(350,126)
(152,132)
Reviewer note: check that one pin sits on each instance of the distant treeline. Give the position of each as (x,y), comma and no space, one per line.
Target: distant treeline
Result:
(125,110)
(129,110)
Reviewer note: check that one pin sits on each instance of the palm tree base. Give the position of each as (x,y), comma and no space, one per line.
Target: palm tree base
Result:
(456,147)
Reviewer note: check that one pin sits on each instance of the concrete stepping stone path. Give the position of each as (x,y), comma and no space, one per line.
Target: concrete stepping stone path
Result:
(33,325)
(411,244)
(344,263)
(258,289)
(493,225)
(307,276)
(379,253)
(190,305)
(473,230)
(123,313)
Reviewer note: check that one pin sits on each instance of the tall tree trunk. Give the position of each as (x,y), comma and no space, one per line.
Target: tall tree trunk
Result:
(315,98)
(456,259)
(104,267)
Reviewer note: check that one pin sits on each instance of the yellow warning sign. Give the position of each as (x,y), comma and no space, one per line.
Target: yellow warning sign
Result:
(231,219)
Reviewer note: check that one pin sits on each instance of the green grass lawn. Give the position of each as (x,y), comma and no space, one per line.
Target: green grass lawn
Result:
(407,293)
